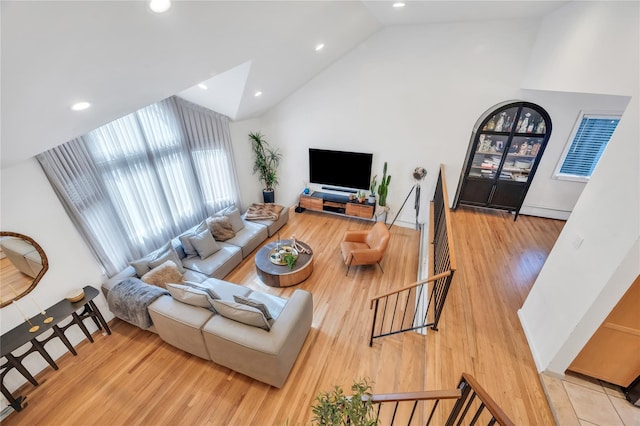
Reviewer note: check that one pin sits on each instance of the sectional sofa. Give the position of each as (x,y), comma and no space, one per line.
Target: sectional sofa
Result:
(254,333)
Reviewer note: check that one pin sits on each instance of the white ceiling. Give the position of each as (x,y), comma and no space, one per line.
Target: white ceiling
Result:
(120,56)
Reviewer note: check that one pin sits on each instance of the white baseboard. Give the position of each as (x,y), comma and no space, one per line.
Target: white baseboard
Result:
(531,210)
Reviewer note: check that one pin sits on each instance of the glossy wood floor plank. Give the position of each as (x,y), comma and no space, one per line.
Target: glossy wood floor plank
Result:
(132,377)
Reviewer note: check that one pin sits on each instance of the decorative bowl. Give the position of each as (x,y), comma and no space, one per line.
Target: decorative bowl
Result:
(75,295)
(277,256)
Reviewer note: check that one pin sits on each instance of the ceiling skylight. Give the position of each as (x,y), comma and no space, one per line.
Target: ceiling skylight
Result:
(80,106)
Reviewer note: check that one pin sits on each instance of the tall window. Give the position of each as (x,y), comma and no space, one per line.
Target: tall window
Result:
(588,140)
(133,184)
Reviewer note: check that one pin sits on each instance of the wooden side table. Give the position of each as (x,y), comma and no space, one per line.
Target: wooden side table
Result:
(20,335)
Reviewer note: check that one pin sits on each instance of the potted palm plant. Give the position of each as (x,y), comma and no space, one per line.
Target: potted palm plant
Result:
(265,163)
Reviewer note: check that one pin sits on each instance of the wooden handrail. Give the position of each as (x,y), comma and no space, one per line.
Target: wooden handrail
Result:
(491,405)
(426,280)
(417,396)
(447,218)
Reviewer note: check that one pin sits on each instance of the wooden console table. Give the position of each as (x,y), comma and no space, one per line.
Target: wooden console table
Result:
(19,336)
(337,204)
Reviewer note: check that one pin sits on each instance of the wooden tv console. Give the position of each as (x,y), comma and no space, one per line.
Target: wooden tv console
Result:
(337,204)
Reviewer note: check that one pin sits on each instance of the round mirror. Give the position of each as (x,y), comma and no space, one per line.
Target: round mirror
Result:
(22,265)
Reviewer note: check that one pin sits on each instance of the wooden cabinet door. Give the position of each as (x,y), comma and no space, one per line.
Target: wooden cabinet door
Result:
(613,352)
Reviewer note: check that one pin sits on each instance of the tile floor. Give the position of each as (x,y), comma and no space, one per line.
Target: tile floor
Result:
(583,401)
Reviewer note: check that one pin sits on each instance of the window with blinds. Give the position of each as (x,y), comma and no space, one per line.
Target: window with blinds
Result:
(588,140)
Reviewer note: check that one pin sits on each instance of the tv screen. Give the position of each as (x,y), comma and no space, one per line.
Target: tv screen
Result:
(340,168)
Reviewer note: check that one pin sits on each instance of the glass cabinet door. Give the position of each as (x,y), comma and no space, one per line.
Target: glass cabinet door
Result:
(488,155)
(531,122)
(502,121)
(520,158)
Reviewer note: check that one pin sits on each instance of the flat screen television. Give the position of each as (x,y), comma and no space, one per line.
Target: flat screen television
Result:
(340,168)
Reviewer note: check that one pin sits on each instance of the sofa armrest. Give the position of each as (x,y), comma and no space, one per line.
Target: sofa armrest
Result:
(127,272)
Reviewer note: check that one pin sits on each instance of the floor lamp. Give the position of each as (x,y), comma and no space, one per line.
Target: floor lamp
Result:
(419,174)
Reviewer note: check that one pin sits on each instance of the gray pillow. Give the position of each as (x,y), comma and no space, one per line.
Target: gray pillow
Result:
(204,244)
(169,254)
(142,265)
(190,296)
(254,304)
(203,287)
(241,313)
(184,238)
(234,217)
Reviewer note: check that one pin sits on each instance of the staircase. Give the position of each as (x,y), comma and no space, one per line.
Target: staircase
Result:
(405,309)
(468,404)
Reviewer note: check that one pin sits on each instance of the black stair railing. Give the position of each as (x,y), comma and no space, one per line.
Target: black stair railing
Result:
(399,311)
(468,404)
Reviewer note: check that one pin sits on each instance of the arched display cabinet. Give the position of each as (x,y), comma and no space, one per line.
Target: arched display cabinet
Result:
(506,146)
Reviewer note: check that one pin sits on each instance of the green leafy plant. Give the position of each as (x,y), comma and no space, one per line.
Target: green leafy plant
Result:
(290,260)
(266,160)
(334,408)
(383,188)
(374,183)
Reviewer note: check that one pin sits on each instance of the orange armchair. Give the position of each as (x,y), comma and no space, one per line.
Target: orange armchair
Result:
(365,247)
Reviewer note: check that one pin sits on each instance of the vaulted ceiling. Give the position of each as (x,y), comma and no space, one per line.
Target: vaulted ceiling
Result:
(120,56)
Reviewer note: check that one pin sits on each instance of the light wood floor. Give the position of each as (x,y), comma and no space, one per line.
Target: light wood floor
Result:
(132,377)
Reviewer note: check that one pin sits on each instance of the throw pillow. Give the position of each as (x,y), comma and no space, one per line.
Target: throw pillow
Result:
(220,227)
(142,265)
(234,217)
(241,313)
(189,295)
(184,238)
(162,274)
(254,304)
(169,254)
(204,244)
(202,287)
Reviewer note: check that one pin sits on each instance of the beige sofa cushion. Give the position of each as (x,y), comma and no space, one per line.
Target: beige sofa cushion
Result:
(241,313)
(190,295)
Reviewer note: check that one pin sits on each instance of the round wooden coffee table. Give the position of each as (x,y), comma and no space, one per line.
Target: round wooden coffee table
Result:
(280,275)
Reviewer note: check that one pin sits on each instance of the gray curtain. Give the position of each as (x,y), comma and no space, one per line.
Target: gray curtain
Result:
(133,184)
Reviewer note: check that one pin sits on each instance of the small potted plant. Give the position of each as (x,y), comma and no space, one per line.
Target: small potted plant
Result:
(336,408)
(265,164)
(372,188)
(361,197)
(383,188)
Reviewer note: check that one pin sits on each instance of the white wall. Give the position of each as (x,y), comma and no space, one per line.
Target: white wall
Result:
(548,196)
(410,95)
(30,207)
(593,48)
(250,187)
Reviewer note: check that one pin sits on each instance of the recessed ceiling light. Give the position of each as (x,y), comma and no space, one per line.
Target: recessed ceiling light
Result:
(398,4)
(258,93)
(319,47)
(159,6)
(203,86)
(79,106)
